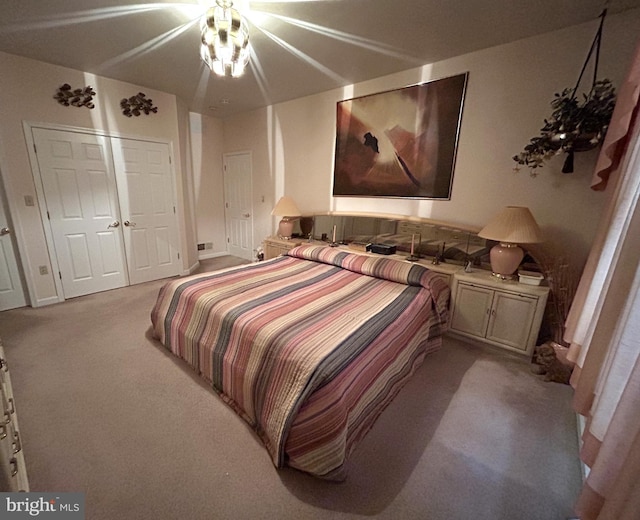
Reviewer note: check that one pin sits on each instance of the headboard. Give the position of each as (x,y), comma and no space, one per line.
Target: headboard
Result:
(455,244)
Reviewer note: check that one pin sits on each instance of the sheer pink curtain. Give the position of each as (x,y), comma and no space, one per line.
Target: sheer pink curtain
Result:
(603,327)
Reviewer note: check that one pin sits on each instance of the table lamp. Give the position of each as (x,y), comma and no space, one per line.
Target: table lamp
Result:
(512,226)
(287,209)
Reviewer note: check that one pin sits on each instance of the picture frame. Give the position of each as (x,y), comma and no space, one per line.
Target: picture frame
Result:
(400,143)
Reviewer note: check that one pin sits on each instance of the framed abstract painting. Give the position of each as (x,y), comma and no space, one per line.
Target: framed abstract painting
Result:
(400,143)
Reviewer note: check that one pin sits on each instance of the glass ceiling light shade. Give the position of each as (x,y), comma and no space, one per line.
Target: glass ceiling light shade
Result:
(287,209)
(225,40)
(512,226)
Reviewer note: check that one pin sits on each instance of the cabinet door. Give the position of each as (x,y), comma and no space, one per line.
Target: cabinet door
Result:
(13,472)
(471,312)
(511,319)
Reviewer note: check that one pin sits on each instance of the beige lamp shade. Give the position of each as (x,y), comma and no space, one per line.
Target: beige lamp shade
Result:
(287,209)
(512,226)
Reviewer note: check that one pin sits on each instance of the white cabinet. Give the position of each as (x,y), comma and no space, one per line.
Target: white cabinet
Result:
(505,314)
(13,472)
(274,246)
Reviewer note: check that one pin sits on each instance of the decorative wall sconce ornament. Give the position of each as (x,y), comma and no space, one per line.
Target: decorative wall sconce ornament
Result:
(79,97)
(575,125)
(136,105)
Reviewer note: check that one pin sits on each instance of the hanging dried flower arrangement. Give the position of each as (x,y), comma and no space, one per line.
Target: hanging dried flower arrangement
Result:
(575,125)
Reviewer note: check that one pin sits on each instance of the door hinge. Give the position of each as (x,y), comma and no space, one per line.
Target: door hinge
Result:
(170,160)
(226,205)
(35,149)
(48,216)
(228,240)
(178,256)
(174,210)
(60,275)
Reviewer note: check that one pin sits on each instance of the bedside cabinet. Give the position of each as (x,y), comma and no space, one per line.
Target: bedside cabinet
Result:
(275,246)
(505,314)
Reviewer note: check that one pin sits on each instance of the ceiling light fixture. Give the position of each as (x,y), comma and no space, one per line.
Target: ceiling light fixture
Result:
(225,40)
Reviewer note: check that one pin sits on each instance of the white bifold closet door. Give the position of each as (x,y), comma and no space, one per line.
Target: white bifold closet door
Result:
(145,187)
(102,195)
(12,293)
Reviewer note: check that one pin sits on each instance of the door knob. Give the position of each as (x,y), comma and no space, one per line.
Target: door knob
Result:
(4,231)
(127,223)
(114,224)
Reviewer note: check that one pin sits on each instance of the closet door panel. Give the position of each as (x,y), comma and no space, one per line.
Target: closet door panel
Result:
(82,203)
(145,187)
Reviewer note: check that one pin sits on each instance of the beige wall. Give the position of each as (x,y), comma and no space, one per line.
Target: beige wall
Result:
(292,144)
(508,95)
(206,153)
(185,191)
(27,88)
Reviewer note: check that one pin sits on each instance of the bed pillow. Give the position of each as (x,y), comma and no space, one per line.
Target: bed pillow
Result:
(379,267)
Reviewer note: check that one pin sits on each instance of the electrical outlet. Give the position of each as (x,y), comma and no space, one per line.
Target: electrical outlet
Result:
(208,245)
(200,247)
(44,269)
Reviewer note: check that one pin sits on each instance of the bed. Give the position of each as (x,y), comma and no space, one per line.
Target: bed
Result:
(308,348)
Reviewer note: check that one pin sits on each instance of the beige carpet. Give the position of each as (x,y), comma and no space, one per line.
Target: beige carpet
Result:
(105,410)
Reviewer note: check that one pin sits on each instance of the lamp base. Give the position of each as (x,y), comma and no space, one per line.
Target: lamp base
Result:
(504,277)
(285,228)
(505,259)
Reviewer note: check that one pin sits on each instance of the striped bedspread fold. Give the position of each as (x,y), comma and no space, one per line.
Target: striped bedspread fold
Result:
(308,348)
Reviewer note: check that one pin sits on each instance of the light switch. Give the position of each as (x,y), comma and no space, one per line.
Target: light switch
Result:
(28,200)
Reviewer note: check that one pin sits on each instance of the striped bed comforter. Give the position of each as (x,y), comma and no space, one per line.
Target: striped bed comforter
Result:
(308,348)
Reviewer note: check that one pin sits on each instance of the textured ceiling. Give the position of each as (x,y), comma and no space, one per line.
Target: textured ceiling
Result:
(299,47)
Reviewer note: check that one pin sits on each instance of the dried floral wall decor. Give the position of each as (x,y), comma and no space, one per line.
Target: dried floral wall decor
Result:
(79,97)
(136,105)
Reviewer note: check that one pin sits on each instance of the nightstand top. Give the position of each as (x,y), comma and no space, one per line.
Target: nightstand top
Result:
(286,241)
(485,278)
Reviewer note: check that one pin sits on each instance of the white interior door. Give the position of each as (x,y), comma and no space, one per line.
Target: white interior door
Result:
(82,203)
(11,288)
(238,205)
(145,188)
